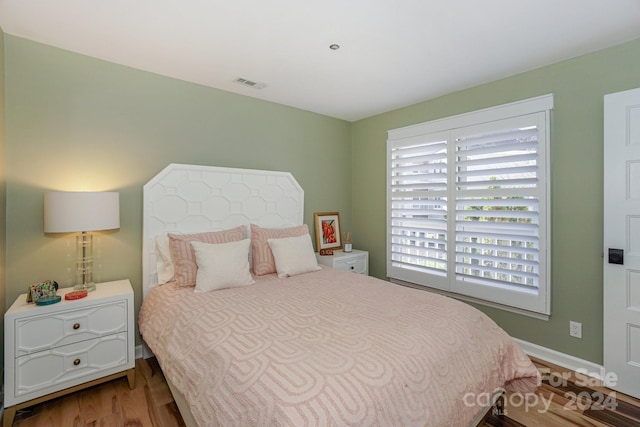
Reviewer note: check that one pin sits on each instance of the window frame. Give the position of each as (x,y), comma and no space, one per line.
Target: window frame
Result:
(533,303)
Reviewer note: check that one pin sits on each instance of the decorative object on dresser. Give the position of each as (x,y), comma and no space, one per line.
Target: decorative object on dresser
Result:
(46,288)
(57,349)
(347,246)
(327,226)
(78,211)
(355,261)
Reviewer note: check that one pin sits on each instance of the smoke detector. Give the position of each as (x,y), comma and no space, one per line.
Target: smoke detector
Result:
(250,83)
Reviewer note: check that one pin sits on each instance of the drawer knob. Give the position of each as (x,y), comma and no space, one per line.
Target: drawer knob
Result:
(76,362)
(352,267)
(76,326)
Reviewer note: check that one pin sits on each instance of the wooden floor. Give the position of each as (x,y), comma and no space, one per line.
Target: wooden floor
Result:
(110,404)
(567,399)
(578,401)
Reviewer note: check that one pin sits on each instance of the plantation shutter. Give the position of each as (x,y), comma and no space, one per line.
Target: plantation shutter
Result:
(419,206)
(467,205)
(497,204)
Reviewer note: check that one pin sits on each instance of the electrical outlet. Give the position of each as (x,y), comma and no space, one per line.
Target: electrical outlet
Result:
(575,329)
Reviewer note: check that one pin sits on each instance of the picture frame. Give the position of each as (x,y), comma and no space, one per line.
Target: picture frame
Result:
(328,230)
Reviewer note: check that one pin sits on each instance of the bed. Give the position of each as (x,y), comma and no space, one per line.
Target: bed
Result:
(293,343)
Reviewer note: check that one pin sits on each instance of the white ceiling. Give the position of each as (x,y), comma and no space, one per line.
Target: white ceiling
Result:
(393,52)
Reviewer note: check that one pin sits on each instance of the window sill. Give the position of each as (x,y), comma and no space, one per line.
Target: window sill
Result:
(465,298)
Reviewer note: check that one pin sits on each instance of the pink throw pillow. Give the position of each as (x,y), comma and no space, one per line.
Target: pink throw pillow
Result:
(184,257)
(261,255)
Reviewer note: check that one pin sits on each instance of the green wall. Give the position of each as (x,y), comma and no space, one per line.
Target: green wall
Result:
(578,86)
(77,123)
(3,180)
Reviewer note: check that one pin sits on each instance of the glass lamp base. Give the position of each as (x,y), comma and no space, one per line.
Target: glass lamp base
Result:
(89,287)
(84,263)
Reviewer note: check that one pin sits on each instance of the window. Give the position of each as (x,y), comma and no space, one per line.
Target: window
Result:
(468,204)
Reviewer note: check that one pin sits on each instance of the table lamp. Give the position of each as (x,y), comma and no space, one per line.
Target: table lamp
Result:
(82,211)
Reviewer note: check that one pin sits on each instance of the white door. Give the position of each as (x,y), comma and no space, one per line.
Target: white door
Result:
(622,231)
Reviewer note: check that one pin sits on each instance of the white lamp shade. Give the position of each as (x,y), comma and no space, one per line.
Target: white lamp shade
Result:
(69,211)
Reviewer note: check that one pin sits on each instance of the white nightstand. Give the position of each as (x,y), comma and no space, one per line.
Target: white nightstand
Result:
(56,349)
(355,261)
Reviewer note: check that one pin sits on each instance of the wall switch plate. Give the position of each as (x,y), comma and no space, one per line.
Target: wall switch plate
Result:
(575,329)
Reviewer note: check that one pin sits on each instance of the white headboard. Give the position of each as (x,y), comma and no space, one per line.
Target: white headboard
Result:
(191,198)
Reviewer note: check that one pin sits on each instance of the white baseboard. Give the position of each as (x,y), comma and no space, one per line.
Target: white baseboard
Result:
(143,352)
(562,359)
(139,351)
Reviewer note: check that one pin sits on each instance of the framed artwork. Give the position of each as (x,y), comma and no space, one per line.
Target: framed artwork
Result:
(327,230)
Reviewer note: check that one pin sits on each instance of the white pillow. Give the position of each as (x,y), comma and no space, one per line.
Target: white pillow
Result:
(293,255)
(222,265)
(164,265)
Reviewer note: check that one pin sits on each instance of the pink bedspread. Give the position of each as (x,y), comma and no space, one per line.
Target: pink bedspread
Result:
(329,348)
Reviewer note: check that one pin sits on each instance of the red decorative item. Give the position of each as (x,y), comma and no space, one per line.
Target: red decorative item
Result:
(75,295)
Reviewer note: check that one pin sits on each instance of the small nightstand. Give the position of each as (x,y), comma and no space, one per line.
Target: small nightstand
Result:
(355,261)
(56,349)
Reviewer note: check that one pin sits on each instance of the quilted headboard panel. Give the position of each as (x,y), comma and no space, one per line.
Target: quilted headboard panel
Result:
(192,198)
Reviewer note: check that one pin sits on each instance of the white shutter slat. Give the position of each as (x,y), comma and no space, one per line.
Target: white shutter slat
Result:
(425,172)
(406,190)
(497,137)
(419,145)
(515,146)
(521,262)
(505,202)
(492,216)
(494,162)
(520,274)
(402,157)
(506,185)
(403,241)
(507,173)
(531,283)
(490,234)
(411,227)
(414,213)
(460,246)
(421,176)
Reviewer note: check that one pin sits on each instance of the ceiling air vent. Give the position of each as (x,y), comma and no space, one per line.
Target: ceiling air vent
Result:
(250,83)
